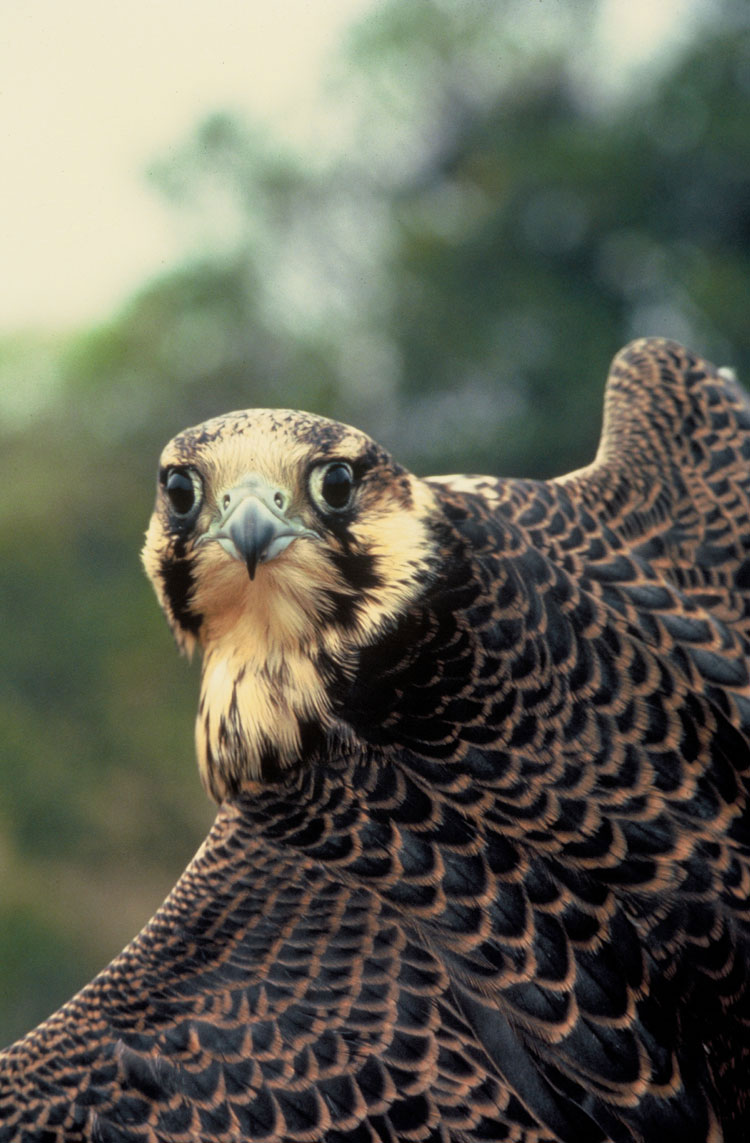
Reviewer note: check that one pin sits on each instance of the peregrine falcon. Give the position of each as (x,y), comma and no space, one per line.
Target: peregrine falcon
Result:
(481,865)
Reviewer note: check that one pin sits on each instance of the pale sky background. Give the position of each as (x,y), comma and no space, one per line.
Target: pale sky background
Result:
(91,92)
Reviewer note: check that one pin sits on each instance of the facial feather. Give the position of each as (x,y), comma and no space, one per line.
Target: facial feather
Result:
(279,649)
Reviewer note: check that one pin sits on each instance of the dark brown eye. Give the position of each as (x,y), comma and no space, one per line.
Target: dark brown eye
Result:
(337,485)
(184,491)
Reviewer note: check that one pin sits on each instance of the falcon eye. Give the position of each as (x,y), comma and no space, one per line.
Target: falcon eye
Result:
(335,485)
(184,490)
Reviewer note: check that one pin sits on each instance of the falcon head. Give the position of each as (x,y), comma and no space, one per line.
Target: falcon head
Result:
(281,544)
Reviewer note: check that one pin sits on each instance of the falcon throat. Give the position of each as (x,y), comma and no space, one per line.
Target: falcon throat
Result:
(281,545)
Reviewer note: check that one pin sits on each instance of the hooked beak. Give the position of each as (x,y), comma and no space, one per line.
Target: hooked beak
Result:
(253,526)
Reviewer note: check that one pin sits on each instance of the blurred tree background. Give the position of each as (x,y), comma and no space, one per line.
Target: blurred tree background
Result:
(455,283)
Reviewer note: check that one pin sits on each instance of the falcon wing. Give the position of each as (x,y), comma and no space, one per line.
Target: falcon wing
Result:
(267,1000)
(672,475)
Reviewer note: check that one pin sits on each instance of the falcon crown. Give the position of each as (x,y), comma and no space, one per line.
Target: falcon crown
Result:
(281,544)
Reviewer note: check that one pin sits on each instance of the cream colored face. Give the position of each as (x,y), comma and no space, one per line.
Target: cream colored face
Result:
(280,544)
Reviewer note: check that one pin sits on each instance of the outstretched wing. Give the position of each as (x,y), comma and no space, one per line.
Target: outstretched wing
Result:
(267,1000)
(672,475)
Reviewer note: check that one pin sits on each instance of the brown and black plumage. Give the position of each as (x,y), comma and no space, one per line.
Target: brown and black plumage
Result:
(482,864)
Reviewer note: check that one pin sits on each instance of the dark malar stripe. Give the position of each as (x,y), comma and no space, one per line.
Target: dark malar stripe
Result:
(344,608)
(358,569)
(177,577)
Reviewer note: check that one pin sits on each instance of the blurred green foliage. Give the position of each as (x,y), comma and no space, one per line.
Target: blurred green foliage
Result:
(455,285)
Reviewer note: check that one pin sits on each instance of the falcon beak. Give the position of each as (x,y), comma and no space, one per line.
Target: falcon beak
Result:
(253,526)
